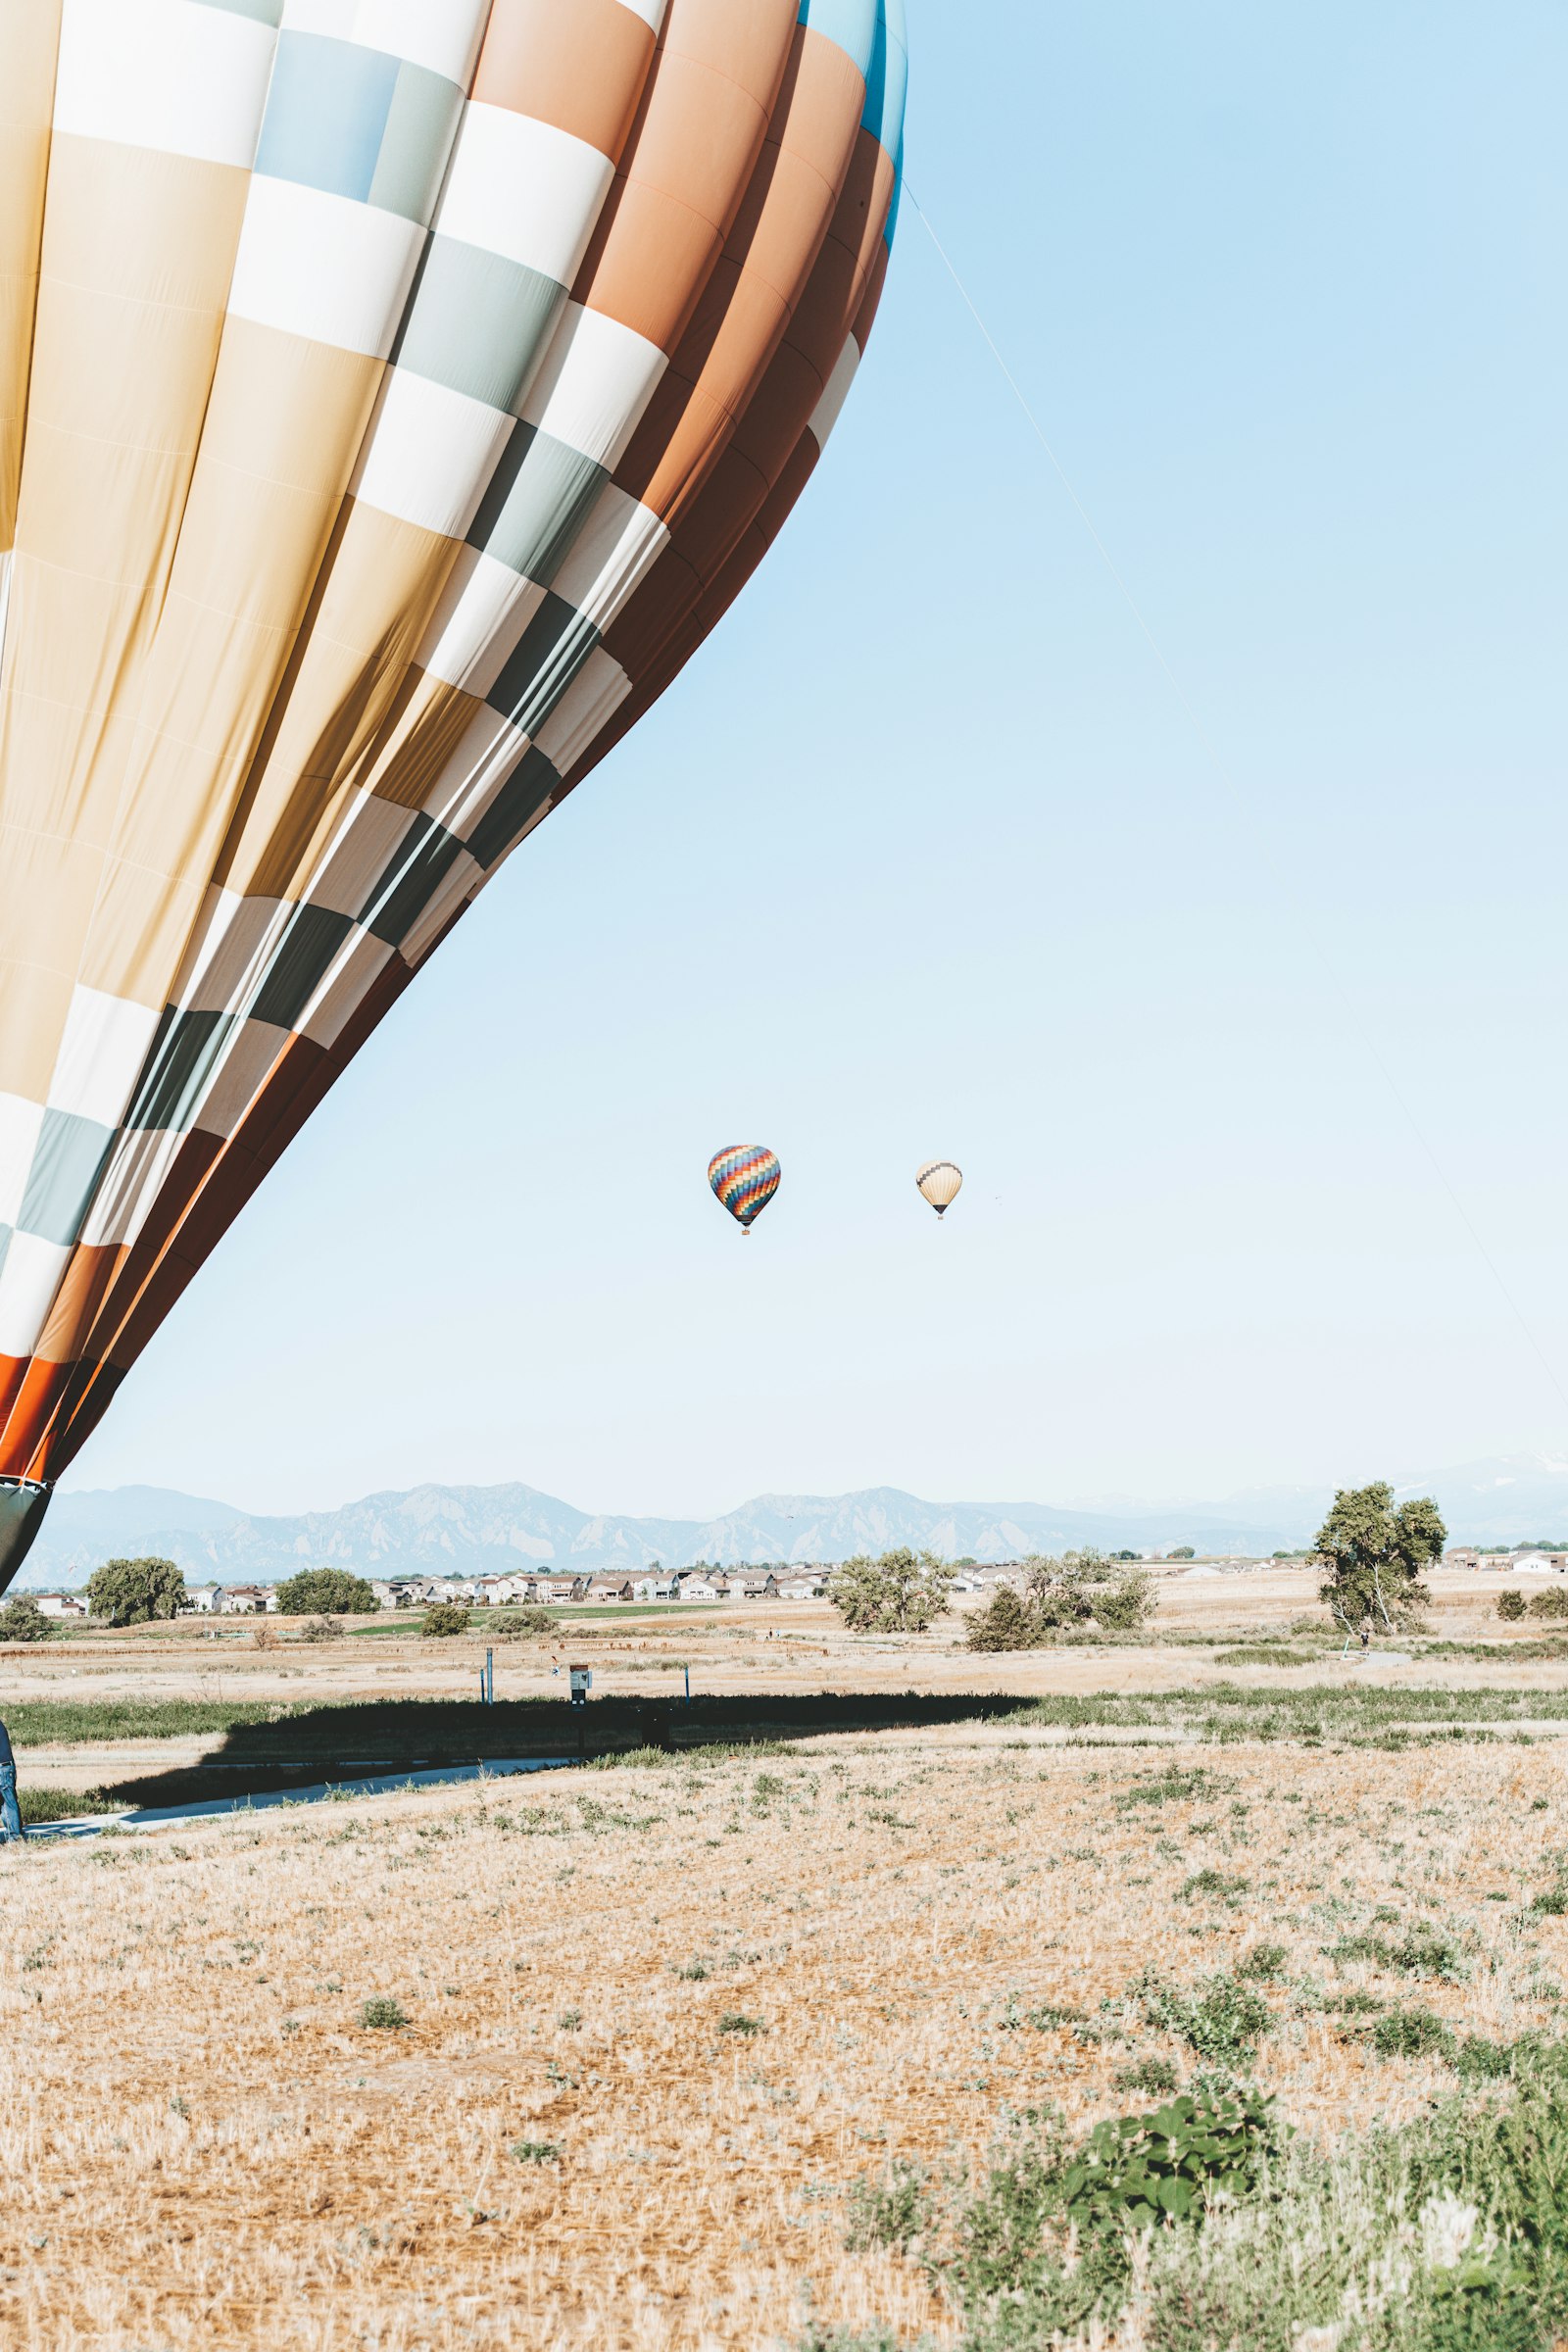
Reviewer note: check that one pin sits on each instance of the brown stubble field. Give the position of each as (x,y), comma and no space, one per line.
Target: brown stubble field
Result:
(205,2146)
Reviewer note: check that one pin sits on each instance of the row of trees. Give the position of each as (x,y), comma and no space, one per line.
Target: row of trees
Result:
(148,1591)
(906,1591)
(1372,1551)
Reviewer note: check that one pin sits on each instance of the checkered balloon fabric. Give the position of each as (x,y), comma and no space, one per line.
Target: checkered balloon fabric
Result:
(393,396)
(744,1179)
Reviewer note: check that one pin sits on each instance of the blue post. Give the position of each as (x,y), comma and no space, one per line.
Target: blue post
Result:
(489,1678)
(688,1685)
(9,1813)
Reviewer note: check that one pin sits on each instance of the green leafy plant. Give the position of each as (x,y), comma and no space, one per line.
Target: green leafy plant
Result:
(535,2151)
(1550,1605)
(1262,1964)
(1511,1606)
(325,1592)
(1141,2169)
(735,2020)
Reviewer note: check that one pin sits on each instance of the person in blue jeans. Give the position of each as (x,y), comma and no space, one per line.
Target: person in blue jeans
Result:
(10,1816)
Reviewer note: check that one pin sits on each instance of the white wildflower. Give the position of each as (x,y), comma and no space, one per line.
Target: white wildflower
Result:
(1447,2229)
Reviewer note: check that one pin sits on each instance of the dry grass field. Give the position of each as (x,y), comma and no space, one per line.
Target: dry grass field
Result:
(648,2026)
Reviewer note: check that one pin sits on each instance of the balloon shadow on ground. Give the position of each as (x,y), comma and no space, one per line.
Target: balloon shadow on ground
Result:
(367,1740)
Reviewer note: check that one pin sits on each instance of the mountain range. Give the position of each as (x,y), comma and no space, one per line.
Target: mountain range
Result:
(431,1530)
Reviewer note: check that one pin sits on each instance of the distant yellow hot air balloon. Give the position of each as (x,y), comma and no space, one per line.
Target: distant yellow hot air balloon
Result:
(939,1183)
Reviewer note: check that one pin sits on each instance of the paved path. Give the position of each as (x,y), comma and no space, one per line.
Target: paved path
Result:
(160,1816)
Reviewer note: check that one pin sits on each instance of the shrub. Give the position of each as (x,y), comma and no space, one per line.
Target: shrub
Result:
(320,1628)
(442,1618)
(535,2151)
(1087,1585)
(1222,2019)
(1006,1622)
(1421,1951)
(1477,2060)
(735,2020)
(1210,1885)
(383,2016)
(1552,1604)
(136,1592)
(22,1620)
(325,1592)
(1412,2034)
(1262,1964)
(1511,1606)
(1156,2076)
(902,1592)
(889,2214)
(520,1622)
(1127,1605)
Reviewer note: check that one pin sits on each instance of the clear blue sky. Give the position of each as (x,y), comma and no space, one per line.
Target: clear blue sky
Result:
(922,856)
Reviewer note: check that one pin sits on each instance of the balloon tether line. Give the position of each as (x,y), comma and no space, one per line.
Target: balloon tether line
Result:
(1244,810)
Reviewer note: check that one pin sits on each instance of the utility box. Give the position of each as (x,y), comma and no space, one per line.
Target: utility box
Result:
(582,1682)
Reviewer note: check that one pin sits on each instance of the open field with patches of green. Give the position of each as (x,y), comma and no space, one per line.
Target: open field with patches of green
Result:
(1187,1993)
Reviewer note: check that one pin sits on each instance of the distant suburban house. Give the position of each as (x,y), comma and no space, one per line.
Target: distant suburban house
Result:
(610,1588)
(748,1585)
(658,1586)
(561,1587)
(800,1587)
(200,1597)
(60,1604)
(244,1600)
(700,1587)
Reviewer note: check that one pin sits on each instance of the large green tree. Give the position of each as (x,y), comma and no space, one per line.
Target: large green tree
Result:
(902,1592)
(1372,1554)
(325,1592)
(135,1591)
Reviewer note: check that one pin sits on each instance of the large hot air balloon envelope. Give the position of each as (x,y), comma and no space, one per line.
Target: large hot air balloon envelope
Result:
(744,1179)
(393,395)
(939,1183)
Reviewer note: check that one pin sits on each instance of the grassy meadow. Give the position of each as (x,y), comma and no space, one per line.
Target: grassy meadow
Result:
(834,2023)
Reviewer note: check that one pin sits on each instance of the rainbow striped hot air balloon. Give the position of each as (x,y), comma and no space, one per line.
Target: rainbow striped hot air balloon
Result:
(744,1179)
(393,395)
